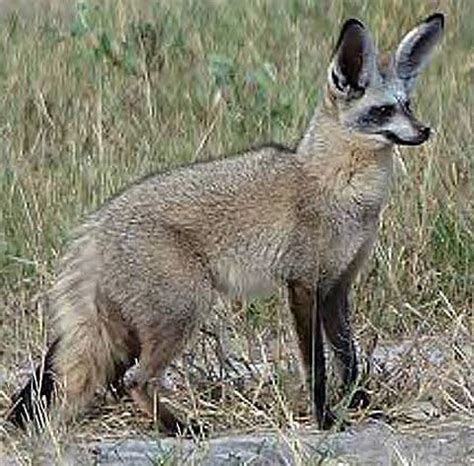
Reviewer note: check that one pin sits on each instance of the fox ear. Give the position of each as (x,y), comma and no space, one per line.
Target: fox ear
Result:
(354,60)
(415,49)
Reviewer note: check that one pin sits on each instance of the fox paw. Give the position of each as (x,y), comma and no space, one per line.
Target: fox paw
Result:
(327,420)
(360,399)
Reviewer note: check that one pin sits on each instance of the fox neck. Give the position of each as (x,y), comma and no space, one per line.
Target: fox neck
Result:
(342,161)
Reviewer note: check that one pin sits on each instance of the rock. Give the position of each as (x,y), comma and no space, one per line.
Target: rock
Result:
(372,444)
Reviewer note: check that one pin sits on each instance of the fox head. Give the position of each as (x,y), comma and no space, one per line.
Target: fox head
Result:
(373,100)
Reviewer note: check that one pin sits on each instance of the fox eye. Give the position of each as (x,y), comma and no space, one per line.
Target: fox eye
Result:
(386,110)
(378,115)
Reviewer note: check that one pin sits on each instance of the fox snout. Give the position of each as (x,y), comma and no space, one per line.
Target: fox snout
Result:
(421,134)
(425,132)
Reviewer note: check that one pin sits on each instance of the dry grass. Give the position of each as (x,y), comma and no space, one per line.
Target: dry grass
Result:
(97,94)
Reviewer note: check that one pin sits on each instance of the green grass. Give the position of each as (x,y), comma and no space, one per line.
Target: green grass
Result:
(95,95)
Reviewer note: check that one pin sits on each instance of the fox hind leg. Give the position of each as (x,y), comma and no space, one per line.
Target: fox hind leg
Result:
(165,325)
(158,351)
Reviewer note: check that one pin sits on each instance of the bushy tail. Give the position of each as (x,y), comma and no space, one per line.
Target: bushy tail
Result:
(91,356)
(93,345)
(32,402)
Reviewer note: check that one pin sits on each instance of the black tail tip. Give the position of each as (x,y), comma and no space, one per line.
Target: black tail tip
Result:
(31,403)
(17,414)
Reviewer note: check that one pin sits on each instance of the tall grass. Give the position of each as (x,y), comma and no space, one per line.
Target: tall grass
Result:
(95,95)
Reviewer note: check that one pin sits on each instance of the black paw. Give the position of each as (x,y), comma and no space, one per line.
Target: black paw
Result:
(328,420)
(360,399)
(117,389)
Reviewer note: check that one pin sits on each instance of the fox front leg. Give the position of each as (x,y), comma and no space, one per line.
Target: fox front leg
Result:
(334,309)
(303,302)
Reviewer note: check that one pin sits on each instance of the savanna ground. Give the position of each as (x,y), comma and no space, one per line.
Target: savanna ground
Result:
(95,95)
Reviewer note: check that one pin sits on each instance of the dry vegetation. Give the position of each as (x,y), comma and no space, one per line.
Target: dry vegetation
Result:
(95,95)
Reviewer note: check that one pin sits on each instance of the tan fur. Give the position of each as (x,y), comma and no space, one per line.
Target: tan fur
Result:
(94,337)
(149,262)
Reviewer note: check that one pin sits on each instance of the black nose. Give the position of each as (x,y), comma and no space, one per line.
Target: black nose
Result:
(425,132)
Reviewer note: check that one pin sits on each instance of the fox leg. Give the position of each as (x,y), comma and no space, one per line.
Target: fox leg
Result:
(303,302)
(161,342)
(145,389)
(165,322)
(335,312)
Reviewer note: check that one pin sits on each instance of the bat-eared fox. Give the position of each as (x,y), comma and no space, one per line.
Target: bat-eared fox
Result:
(147,267)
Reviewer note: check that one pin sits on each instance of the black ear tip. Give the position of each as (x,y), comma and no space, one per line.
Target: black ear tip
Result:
(351,22)
(436,17)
